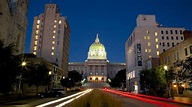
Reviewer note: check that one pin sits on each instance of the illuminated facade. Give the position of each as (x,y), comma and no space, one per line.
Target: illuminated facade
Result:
(51,37)
(147,41)
(96,68)
(13,23)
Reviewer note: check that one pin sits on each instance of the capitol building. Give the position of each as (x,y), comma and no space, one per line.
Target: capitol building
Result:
(96,67)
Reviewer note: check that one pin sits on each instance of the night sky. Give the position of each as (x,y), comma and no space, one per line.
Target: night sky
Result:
(114,20)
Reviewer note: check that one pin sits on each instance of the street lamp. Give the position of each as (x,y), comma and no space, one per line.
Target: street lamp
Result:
(166,77)
(23,64)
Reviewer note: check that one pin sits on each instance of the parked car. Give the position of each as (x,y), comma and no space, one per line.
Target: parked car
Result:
(52,93)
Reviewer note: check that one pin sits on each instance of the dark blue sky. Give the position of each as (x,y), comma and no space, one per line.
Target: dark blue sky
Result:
(114,20)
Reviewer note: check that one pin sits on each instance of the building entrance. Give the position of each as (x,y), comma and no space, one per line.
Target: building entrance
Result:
(96,79)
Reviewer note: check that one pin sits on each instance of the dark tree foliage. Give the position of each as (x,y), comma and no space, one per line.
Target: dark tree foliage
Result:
(152,79)
(185,73)
(120,78)
(37,75)
(9,67)
(75,76)
(67,82)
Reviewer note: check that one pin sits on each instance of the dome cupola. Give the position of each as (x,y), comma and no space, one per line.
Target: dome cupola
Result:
(97,50)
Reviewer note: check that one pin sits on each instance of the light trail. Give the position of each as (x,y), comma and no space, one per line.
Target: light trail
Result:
(64,98)
(161,104)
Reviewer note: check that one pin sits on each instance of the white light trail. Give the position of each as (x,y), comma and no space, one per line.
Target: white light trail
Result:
(61,99)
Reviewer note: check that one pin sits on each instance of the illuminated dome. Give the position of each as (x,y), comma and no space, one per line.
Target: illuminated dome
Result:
(97,50)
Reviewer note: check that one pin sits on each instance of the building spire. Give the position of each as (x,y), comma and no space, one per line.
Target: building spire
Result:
(97,38)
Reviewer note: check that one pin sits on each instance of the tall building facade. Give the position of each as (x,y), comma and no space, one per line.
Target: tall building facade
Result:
(51,37)
(13,23)
(144,45)
(96,67)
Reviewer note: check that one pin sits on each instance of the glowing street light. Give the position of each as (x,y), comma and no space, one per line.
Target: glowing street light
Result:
(23,63)
(165,67)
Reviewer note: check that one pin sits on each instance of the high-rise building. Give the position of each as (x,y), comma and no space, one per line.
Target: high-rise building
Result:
(51,37)
(144,45)
(13,23)
(96,67)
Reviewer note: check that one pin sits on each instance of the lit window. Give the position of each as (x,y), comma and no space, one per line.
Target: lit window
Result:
(145,37)
(37,26)
(145,50)
(149,44)
(38,21)
(150,56)
(157,46)
(155,33)
(54,26)
(53,36)
(35,48)
(60,22)
(149,50)
(34,53)
(53,42)
(52,53)
(35,42)
(36,37)
(37,31)
(54,31)
(55,21)
(156,39)
(53,48)
(147,32)
(148,37)
(157,52)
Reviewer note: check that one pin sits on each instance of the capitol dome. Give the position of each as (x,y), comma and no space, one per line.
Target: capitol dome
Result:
(97,50)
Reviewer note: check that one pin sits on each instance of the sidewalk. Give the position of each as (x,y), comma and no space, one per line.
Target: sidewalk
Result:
(182,99)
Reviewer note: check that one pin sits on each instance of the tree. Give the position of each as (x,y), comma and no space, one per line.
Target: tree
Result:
(37,75)
(75,76)
(152,79)
(9,67)
(185,73)
(120,78)
(67,82)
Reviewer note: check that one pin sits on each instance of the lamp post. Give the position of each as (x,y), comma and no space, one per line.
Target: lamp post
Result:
(23,64)
(166,77)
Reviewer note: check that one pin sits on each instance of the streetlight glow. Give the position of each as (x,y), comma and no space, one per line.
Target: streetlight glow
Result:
(23,63)
(165,67)
(49,72)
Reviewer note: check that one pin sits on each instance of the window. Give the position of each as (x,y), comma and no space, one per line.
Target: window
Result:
(35,47)
(171,37)
(149,44)
(52,48)
(55,21)
(53,36)
(35,42)
(157,52)
(37,32)
(173,44)
(163,50)
(155,33)
(34,53)
(181,32)
(145,37)
(175,31)
(176,37)
(52,53)
(37,26)
(166,32)
(148,37)
(190,49)
(59,21)
(171,31)
(156,39)
(162,32)
(157,46)
(145,50)
(162,37)
(147,32)
(53,42)
(57,42)
(54,26)
(38,21)
(167,37)
(58,31)
(59,26)
(149,50)
(168,44)
(181,37)
(186,52)
(163,44)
